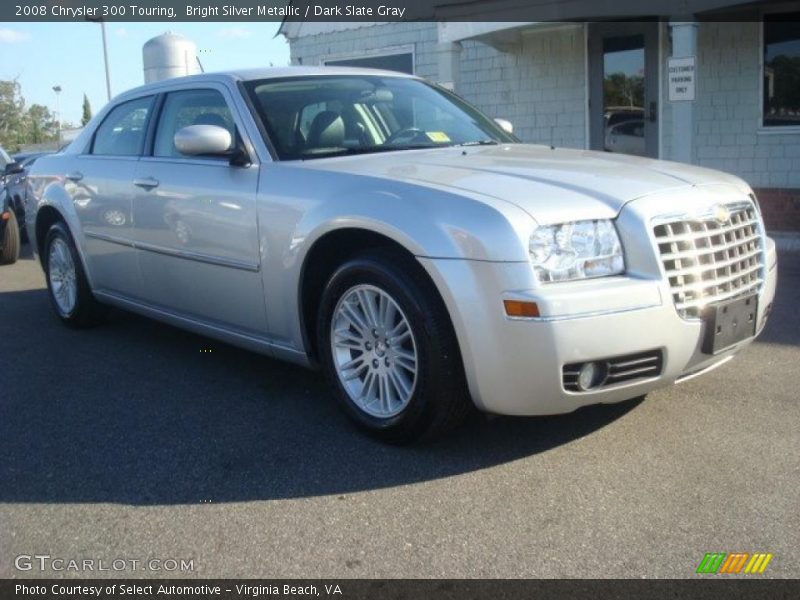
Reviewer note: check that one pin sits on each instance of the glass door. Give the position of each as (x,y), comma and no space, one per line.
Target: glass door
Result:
(623,88)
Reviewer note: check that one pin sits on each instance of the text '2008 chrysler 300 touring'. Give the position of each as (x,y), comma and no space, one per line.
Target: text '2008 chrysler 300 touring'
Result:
(378,226)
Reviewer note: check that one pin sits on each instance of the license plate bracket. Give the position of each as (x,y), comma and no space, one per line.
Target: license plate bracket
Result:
(729,322)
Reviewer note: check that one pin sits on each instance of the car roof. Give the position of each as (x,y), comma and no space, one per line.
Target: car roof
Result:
(256,74)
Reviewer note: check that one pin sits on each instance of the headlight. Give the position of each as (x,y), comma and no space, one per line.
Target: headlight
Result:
(576,250)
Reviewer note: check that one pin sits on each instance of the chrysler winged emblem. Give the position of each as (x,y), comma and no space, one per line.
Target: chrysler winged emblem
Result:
(720,213)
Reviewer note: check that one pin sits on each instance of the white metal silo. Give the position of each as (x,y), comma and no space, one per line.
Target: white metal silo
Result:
(169,55)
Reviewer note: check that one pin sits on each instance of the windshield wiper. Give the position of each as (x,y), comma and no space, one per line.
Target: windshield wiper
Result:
(368,150)
(480,143)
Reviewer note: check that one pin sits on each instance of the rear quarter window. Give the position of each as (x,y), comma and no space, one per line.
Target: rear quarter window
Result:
(122,132)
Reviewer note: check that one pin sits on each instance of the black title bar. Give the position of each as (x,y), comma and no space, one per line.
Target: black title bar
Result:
(382,10)
(710,587)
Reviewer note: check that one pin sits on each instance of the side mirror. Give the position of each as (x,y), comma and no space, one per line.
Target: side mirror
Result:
(505,125)
(196,140)
(13,168)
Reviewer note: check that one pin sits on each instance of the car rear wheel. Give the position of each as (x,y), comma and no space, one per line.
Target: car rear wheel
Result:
(389,350)
(69,291)
(9,249)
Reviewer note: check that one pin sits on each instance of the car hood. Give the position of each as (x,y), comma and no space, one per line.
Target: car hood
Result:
(541,180)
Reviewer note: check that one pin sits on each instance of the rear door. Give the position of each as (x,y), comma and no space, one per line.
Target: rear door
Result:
(195,219)
(100,185)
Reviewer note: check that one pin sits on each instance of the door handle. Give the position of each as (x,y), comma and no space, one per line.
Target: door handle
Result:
(75,176)
(147,183)
(653,112)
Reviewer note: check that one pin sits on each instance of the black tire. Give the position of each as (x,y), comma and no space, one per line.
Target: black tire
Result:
(440,400)
(87,311)
(18,206)
(9,252)
(23,231)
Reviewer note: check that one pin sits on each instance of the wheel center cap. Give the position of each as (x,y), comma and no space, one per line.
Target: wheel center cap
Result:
(380,347)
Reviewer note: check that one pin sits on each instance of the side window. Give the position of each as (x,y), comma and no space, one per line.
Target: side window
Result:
(781,70)
(123,130)
(190,107)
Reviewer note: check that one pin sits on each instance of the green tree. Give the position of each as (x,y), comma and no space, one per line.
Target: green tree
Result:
(41,125)
(621,90)
(87,111)
(12,115)
(21,125)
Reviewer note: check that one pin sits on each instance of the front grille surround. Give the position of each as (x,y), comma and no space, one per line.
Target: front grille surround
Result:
(707,260)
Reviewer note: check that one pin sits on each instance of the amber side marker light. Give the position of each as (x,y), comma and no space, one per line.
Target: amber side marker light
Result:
(5,216)
(518,308)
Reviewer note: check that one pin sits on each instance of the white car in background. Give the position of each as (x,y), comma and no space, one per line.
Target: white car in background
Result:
(626,138)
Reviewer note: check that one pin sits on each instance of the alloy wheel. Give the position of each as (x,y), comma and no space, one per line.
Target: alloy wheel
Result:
(374,351)
(63,278)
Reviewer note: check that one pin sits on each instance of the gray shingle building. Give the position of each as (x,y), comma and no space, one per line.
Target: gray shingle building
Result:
(720,89)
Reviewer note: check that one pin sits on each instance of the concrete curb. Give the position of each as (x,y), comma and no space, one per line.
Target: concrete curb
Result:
(786,241)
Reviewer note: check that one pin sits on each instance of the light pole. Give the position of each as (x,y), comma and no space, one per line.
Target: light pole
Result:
(105,54)
(57,90)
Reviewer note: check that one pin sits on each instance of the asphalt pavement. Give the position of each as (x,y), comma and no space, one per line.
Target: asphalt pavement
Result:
(136,441)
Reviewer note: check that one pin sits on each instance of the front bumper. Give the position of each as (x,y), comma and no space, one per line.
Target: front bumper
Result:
(514,366)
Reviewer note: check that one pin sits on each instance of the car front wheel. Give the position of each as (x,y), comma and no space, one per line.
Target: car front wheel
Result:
(389,350)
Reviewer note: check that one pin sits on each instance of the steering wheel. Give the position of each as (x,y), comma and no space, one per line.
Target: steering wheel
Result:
(409,134)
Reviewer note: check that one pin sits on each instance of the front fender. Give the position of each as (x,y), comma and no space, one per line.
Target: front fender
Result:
(427,220)
(303,205)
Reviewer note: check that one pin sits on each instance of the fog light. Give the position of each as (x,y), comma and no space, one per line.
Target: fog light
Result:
(591,375)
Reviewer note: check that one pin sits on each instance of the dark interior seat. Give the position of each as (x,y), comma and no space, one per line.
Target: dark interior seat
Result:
(326,131)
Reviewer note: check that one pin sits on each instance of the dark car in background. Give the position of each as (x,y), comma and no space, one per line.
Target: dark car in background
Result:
(17,186)
(11,211)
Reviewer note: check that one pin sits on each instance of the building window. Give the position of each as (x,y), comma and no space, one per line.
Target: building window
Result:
(403,62)
(782,70)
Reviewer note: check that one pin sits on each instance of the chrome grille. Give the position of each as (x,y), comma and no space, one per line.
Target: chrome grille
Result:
(707,260)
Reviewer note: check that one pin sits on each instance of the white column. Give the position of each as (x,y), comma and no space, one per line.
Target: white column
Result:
(684,43)
(449,57)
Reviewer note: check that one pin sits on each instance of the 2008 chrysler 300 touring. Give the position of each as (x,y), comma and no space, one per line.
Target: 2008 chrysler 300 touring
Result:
(379,226)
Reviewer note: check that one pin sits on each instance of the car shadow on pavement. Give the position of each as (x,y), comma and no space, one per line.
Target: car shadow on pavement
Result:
(142,413)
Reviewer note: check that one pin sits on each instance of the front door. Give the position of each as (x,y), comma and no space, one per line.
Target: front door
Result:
(195,221)
(623,87)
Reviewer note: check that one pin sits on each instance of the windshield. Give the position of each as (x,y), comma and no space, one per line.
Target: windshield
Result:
(330,115)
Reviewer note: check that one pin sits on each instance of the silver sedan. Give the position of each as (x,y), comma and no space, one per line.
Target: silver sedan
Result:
(379,227)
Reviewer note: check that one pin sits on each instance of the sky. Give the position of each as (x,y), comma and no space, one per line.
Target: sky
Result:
(43,55)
